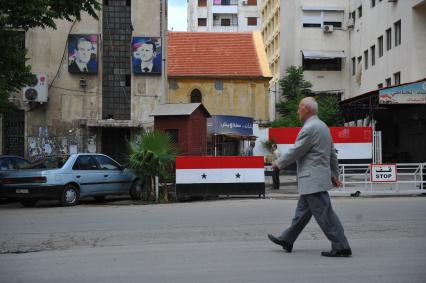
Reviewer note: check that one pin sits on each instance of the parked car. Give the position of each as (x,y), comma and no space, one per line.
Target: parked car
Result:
(68,178)
(13,162)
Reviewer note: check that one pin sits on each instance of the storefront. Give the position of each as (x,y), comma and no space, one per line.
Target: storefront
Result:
(399,113)
(226,134)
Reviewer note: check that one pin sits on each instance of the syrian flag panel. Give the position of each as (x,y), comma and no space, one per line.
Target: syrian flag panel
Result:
(350,142)
(219,175)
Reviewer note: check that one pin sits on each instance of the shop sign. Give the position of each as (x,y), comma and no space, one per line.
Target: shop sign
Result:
(221,124)
(414,93)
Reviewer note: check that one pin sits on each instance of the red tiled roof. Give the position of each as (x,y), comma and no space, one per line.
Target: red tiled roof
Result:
(212,54)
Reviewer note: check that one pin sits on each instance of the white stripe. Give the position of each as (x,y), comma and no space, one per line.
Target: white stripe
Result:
(344,150)
(229,175)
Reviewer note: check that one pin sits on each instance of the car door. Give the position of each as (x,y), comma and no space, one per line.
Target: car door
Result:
(115,180)
(86,173)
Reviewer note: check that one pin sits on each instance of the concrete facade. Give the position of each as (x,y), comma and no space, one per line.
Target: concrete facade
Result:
(239,97)
(75,115)
(216,14)
(354,37)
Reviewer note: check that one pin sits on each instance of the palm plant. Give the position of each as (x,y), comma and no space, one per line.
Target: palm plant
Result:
(152,158)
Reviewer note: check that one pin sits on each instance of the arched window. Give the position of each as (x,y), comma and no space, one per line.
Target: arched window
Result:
(196,96)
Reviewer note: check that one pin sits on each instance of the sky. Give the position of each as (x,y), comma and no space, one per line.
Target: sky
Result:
(177,15)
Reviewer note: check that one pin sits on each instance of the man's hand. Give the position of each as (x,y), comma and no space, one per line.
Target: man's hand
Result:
(275,167)
(336,182)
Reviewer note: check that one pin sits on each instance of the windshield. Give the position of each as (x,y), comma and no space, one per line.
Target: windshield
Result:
(50,162)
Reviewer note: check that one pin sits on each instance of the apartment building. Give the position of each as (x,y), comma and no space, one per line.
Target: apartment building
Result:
(224,15)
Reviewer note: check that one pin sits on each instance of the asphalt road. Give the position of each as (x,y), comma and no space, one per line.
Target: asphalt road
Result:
(213,241)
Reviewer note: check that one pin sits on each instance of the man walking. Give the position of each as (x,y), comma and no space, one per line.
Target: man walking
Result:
(317,171)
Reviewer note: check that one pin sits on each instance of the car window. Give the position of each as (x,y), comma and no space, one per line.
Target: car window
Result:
(50,162)
(22,163)
(6,164)
(106,163)
(85,162)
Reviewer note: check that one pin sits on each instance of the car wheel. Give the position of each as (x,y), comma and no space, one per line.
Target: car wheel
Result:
(28,202)
(136,190)
(99,198)
(70,195)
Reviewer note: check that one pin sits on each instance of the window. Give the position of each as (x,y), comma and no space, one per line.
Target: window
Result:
(397,27)
(312,18)
(202,3)
(380,85)
(316,18)
(353,66)
(333,18)
(173,134)
(196,96)
(85,162)
(397,78)
(218,85)
(360,11)
(106,163)
(373,3)
(252,2)
(128,3)
(127,80)
(202,22)
(388,39)
(380,44)
(359,59)
(373,55)
(329,64)
(366,59)
(388,82)
(252,21)
(225,22)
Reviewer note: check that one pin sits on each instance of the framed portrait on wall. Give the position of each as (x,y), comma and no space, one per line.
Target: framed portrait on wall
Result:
(146,57)
(83,53)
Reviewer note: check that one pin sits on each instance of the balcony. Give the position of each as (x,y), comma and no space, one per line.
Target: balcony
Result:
(225,7)
(225,2)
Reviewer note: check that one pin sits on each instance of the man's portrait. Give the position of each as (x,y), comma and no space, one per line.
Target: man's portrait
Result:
(82,53)
(146,55)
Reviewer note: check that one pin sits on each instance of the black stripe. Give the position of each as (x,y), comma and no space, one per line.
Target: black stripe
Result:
(99,183)
(214,189)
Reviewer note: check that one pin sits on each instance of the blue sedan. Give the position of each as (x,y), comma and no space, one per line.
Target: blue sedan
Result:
(68,178)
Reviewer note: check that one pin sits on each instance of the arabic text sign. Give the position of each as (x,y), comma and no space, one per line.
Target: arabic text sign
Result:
(383,172)
(222,124)
(414,93)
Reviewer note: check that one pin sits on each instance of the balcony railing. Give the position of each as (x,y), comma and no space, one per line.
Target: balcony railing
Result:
(225,2)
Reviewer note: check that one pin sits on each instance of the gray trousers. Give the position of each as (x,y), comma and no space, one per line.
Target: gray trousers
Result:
(318,205)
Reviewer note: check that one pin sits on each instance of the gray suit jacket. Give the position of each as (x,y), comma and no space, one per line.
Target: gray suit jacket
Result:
(315,155)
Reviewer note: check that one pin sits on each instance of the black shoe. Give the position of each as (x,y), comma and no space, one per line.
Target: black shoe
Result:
(286,246)
(337,253)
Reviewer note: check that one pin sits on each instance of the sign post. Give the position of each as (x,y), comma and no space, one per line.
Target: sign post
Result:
(383,173)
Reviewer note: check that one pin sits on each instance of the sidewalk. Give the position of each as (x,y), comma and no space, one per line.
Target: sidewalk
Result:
(288,189)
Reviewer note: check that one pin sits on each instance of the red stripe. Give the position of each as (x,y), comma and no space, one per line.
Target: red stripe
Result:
(339,134)
(213,162)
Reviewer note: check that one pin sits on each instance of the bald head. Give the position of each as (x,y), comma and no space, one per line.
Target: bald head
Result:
(308,107)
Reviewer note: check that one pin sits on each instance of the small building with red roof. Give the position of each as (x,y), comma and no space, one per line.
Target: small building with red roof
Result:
(227,72)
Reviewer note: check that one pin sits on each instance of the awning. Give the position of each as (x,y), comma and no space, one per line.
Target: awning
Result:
(316,54)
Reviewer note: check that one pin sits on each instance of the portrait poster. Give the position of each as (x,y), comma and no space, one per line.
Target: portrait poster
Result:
(146,58)
(83,53)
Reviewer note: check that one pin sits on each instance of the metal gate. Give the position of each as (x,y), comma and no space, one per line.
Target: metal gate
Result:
(356,180)
(14,133)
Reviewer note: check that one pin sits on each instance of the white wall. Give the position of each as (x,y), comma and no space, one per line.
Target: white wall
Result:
(409,57)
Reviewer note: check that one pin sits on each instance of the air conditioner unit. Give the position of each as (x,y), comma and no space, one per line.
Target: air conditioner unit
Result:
(327,28)
(37,91)
(351,23)
(244,2)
